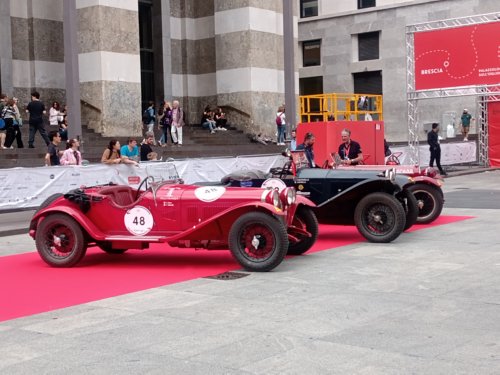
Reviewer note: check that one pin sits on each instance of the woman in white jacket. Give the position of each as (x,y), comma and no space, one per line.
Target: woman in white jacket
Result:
(55,115)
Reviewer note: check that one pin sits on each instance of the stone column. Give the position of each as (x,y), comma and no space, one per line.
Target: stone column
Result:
(249,45)
(110,73)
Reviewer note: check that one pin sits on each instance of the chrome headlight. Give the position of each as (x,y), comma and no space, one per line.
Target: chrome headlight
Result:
(273,197)
(390,174)
(288,196)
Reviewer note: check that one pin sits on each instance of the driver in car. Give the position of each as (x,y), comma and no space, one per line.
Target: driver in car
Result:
(307,147)
(349,150)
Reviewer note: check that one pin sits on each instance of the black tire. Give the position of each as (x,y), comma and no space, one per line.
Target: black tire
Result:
(60,240)
(430,202)
(410,206)
(272,241)
(304,219)
(380,217)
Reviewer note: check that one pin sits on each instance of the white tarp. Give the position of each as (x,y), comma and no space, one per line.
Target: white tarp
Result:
(29,187)
(451,153)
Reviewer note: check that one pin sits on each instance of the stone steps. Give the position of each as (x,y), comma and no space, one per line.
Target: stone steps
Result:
(197,143)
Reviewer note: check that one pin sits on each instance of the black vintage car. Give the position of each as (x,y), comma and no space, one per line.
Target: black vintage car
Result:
(373,201)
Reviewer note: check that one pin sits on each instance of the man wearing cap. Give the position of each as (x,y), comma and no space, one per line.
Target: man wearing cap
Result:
(465,121)
(435,148)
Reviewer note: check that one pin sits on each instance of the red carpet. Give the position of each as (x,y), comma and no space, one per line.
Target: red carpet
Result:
(29,286)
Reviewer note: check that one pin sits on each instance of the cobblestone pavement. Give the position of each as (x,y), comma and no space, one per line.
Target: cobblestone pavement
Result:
(428,303)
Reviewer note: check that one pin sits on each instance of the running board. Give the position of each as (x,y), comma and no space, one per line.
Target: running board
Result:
(136,238)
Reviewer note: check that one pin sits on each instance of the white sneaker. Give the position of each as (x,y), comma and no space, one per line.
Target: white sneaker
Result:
(465,139)
(212,132)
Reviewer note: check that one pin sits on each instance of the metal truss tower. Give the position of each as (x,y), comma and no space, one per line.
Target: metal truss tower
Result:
(483,93)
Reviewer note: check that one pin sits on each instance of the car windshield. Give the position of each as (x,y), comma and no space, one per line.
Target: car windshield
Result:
(162,171)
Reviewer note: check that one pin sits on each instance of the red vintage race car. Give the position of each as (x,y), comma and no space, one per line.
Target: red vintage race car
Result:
(426,186)
(259,227)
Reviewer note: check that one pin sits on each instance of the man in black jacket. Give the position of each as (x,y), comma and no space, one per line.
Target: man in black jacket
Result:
(435,148)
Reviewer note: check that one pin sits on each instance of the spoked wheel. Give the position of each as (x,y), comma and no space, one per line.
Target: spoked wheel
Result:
(410,205)
(306,225)
(430,202)
(60,241)
(380,217)
(258,241)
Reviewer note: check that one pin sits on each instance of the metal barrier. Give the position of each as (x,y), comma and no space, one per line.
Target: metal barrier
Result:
(335,106)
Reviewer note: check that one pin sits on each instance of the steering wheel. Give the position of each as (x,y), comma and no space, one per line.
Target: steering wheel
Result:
(145,183)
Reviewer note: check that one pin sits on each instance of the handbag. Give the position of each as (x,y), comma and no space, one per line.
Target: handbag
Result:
(2,124)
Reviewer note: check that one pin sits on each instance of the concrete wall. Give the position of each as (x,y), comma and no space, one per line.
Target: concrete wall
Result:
(339,54)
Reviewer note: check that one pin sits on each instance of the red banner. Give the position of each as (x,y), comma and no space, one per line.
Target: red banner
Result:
(494,133)
(462,56)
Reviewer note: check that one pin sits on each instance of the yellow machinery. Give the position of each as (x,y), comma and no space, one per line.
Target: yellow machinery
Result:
(331,107)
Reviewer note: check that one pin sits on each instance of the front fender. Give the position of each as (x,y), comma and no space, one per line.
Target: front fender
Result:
(219,225)
(426,180)
(77,215)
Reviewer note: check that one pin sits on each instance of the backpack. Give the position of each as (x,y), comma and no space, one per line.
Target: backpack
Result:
(146,118)
(278,119)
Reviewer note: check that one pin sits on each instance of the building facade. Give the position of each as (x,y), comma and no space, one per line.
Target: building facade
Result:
(216,52)
(359,46)
(219,52)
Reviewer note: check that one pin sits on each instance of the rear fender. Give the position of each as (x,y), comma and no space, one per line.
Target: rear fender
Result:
(77,215)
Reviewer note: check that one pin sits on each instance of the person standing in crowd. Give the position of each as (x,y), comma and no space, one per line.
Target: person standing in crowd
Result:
(18,122)
(165,122)
(349,150)
(435,148)
(36,110)
(465,122)
(130,152)
(55,115)
(150,118)
(111,154)
(307,147)
(53,154)
(72,156)
(177,123)
(3,132)
(11,119)
(281,125)
(293,141)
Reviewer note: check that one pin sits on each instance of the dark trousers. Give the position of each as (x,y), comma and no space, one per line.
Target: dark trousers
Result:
(34,127)
(436,155)
(13,133)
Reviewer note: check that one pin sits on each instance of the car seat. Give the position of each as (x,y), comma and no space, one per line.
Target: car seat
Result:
(121,196)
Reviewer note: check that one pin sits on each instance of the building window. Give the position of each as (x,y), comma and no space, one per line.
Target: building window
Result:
(308,8)
(368,46)
(366,4)
(311,53)
(368,82)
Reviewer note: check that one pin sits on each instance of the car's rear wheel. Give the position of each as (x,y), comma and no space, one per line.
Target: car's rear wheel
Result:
(379,217)
(430,202)
(258,241)
(60,241)
(304,220)
(410,206)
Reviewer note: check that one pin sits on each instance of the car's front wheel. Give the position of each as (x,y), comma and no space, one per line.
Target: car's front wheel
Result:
(430,202)
(258,241)
(379,217)
(60,240)
(305,220)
